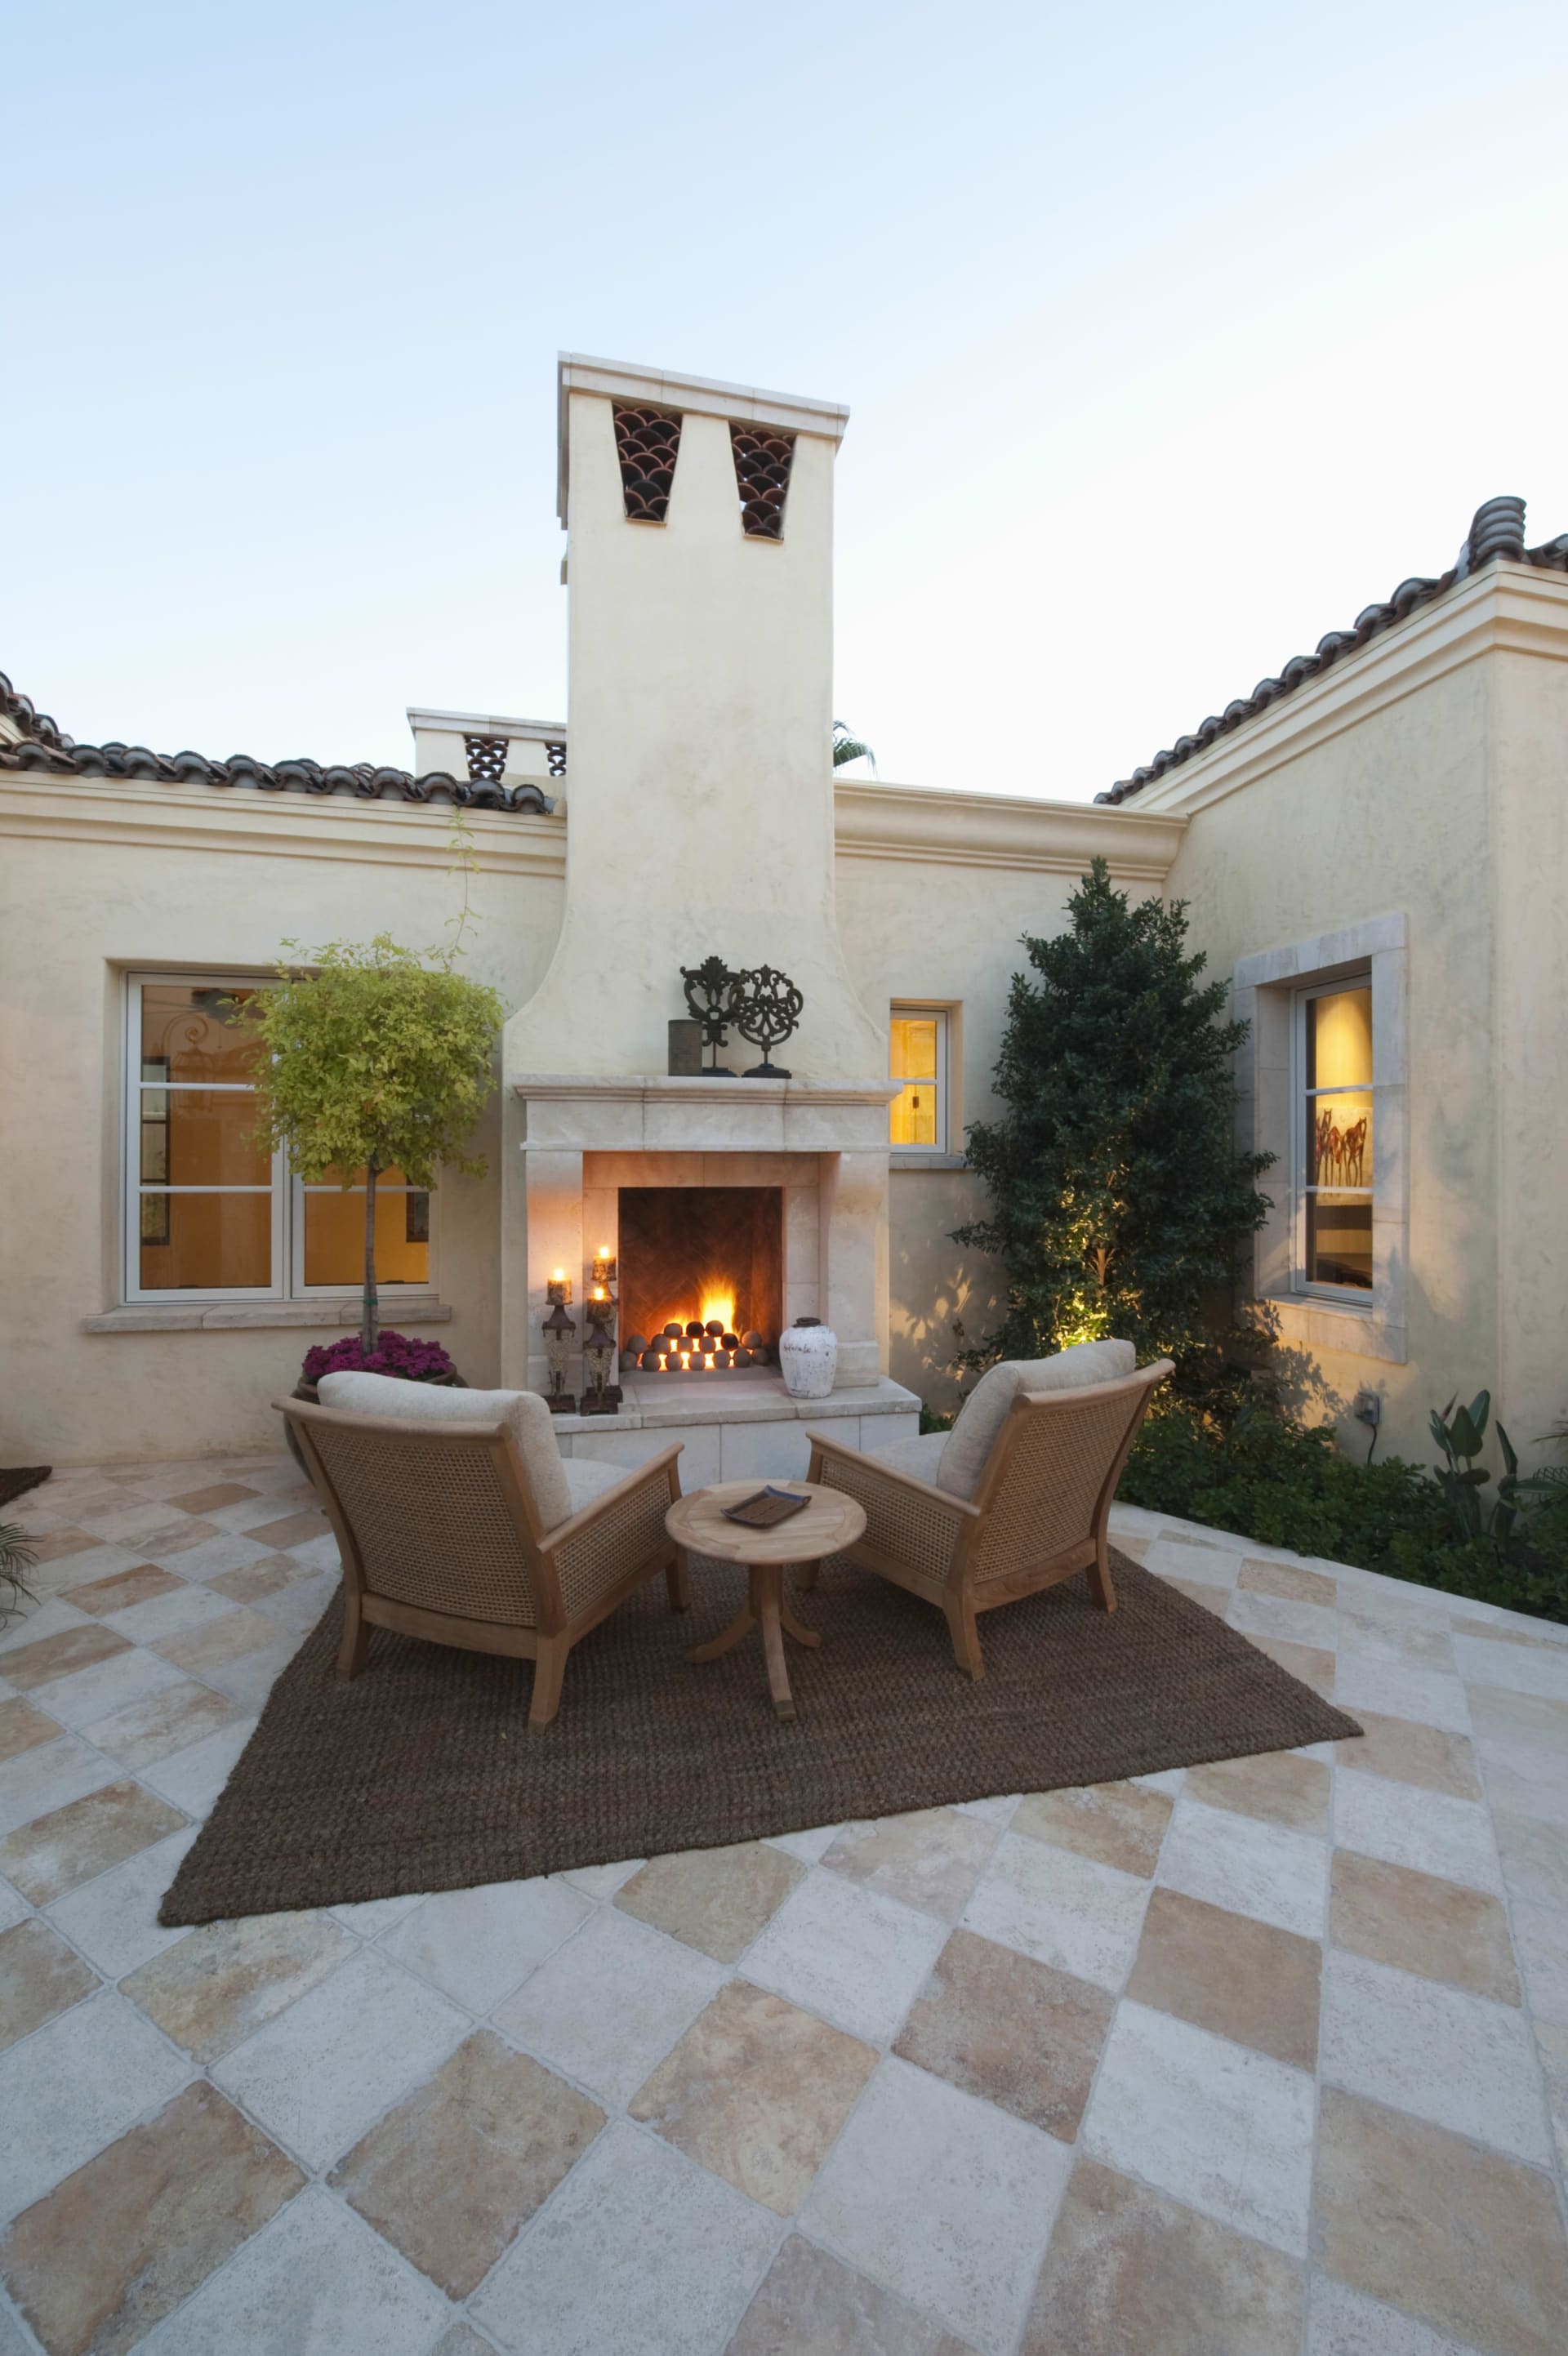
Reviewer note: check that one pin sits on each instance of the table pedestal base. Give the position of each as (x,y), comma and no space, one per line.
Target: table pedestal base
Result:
(766,1604)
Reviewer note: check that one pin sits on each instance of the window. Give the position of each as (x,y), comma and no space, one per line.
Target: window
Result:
(207,1211)
(1333,1145)
(917,1117)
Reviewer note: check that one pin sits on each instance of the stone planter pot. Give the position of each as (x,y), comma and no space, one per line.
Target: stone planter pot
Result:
(311,1395)
(807,1358)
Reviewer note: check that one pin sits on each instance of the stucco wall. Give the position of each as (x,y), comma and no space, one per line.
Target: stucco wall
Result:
(1531,1031)
(1429,783)
(946,931)
(106,883)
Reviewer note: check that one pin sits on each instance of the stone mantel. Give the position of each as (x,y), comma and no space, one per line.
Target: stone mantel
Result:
(653,1112)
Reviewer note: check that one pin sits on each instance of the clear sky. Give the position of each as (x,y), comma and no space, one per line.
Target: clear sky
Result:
(1173,336)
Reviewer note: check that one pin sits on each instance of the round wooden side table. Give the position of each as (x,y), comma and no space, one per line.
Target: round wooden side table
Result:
(828,1523)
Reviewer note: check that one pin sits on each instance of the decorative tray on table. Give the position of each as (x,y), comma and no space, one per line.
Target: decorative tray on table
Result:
(766,1508)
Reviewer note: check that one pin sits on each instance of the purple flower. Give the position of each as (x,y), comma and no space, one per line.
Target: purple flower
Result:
(394,1353)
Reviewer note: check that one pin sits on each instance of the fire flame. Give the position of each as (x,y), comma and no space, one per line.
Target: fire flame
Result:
(720,1305)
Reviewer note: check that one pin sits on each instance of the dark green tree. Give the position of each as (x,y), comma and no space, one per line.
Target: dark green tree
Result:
(1119,1202)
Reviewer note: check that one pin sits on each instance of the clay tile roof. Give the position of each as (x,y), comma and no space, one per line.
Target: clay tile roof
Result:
(1496,531)
(42,745)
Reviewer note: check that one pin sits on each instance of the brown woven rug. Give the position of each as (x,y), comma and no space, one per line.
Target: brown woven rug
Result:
(421,1773)
(17,1483)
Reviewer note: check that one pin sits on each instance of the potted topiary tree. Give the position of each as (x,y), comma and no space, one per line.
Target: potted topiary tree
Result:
(375,1060)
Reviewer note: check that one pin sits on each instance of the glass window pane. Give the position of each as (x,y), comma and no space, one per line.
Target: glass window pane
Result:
(187,1035)
(335,1237)
(205,1138)
(914,1048)
(205,1242)
(913,1114)
(1340,1139)
(1339,1239)
(1339,1039)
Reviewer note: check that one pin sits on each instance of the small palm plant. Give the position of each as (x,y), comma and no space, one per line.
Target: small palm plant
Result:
(17,1554)
(850,748)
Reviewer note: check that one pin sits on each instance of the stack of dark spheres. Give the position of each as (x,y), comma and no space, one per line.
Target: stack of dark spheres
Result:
(711,1342)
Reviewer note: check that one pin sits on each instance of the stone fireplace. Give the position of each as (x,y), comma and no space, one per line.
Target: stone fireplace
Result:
(700,649)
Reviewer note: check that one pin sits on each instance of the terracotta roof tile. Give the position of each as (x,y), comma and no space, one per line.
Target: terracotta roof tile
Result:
(42,745)
(1496,531)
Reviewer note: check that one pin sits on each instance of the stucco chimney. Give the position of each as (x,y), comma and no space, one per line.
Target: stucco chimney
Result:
(699,791)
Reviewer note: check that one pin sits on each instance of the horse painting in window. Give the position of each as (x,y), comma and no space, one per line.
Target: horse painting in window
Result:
(1340,1155)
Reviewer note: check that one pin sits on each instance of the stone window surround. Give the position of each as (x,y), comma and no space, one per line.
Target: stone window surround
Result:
(1263,990)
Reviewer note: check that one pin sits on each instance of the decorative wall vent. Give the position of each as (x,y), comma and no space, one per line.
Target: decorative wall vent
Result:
(486,759)
(762,462)
(556,757)
(647,443)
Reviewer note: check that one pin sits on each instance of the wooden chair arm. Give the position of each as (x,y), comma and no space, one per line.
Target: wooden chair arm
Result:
(943,1499)
(659,1471)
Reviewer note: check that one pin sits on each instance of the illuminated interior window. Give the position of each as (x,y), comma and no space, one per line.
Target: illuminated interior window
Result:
(917,1117)
(1334,1155)
(208,1210)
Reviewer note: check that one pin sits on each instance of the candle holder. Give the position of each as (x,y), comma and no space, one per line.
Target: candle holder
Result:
(558,1331)
(601,1392)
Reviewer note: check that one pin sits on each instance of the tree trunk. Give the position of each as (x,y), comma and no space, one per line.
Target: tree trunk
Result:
(368,1320)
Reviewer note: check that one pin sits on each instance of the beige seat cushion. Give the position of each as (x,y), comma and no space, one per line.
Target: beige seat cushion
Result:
(918,1457)
(973,1436)
(523,1413)
(587,1479)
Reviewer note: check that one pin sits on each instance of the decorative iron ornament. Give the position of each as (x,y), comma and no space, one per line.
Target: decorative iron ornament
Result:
(709,987)
(647,443)
(486,759)
(762,462)
(556,753)
(762,1003)
(765,1007)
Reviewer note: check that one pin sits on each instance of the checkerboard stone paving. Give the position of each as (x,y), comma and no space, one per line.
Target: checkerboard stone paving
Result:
(1261,2057)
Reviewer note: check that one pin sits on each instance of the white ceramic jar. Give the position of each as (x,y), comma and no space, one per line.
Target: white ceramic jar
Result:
(807,1358)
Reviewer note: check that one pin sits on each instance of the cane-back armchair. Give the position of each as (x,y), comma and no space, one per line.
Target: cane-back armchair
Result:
(451,1530)
(1038,1511)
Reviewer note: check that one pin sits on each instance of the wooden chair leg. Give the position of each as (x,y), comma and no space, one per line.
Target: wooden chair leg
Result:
(548,1669)
(356,1642)
(1100,1582)
(678,1580)
(965,1635)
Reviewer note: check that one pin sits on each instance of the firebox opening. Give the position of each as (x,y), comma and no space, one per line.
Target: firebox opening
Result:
(708,1261)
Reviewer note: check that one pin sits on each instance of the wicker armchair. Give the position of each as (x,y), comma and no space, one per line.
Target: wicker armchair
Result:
(441,1537)
(1039,1511)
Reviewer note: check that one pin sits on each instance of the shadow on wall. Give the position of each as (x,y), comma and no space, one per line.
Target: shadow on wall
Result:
(935,1285)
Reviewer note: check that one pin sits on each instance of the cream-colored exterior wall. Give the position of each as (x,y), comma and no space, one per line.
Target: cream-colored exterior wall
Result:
(1422,778)
(98,878)
(102,877)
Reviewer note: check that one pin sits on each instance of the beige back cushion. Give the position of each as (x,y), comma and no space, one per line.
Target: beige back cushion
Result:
(973,1436)
(523,1413)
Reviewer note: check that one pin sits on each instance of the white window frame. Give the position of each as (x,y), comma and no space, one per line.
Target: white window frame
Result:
(1343,1295)
(287,1190)
(927,1010)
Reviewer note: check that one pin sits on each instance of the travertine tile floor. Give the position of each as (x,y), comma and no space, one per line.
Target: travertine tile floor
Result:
(1266,2057)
